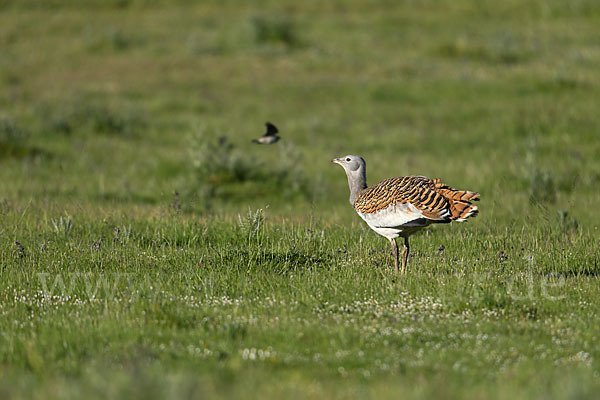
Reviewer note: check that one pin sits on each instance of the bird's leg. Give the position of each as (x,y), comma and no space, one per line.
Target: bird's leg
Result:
(395,250)
(405,251)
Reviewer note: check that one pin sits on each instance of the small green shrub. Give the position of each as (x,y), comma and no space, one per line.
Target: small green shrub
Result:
(12,138)
(275,30)
(502,50)
(542,187)
(222,171)
(567,223)
(81,115)
(111,39)
(216,162)
(118,40)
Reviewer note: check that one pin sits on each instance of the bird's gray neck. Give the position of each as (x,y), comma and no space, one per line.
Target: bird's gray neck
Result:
(357,181)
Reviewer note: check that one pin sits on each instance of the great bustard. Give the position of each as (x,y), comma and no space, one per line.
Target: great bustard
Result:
(270,135)
(399,207)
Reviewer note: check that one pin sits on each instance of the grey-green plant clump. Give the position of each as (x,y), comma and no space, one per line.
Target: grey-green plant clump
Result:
(141,256)
(221,168)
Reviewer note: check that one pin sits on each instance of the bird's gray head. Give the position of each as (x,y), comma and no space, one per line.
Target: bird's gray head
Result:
(350,163)
(356,171)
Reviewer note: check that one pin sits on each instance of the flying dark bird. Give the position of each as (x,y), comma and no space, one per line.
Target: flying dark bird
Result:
(399,207)
(270,135)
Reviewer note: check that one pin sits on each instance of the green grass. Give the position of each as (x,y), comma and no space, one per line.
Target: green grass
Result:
(160,254)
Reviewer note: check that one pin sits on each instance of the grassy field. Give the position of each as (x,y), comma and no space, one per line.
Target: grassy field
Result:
(149,250)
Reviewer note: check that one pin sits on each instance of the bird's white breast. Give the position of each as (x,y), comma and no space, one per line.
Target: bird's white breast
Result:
(394,220)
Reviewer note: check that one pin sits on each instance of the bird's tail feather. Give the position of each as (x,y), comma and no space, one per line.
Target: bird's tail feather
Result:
(460,201)
(461,210)
(453,194)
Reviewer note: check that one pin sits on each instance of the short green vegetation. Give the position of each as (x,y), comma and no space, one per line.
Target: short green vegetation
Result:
(149,250)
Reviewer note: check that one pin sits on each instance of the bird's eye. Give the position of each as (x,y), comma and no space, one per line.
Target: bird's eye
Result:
(348,159)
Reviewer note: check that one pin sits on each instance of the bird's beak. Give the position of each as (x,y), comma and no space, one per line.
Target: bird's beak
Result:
(336,160)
